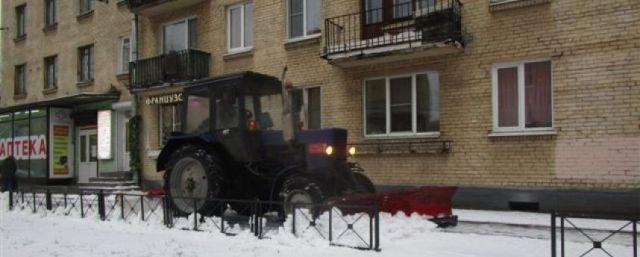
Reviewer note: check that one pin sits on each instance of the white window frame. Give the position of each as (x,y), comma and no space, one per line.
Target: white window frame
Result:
(414,107)
(305,103)
(176,109)
(304,22)
(521,128)
(21,21)
(186,36)
(122,67)
(243,44)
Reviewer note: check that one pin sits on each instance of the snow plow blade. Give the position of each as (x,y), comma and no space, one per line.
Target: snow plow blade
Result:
(434,202)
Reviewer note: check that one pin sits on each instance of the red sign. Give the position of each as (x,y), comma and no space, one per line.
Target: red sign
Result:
(316,148)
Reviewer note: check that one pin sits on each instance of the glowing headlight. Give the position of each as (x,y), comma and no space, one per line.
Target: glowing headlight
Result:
(352,150)
(329,150)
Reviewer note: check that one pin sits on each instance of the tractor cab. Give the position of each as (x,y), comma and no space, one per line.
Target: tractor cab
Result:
(234,110)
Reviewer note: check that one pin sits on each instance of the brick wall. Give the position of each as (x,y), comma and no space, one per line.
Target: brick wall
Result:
(593,46)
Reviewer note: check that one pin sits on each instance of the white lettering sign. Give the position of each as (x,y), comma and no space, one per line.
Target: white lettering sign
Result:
(164,99)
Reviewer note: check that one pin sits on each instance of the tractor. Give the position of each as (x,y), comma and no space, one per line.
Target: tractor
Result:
(239,140)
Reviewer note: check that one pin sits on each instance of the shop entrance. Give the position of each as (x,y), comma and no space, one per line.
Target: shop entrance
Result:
(88,151)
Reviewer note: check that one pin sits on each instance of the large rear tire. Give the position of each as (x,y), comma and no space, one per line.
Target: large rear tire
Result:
(192,176)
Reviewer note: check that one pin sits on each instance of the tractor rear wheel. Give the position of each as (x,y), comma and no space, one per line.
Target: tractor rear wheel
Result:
(301,192)
(192,176)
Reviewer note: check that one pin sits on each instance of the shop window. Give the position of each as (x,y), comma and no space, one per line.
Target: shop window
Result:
(307,103)
(170,121)
(522,99)
(402,105)
(180,35)
(20,83)
(240,27)
(85,63)
(37,146)
(23,134)
(21,21)
(50,12)
(303,17)
(50,72)
(6,135)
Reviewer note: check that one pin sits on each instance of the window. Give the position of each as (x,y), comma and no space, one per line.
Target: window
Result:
(20,86)
(170,121)
(402,105)
(180,35)
(21,21)
(50,13)
(124,56)
(307,103)
(85,63)
(85,6)
(303,17)
(240,27)
(50,76)
(522,98)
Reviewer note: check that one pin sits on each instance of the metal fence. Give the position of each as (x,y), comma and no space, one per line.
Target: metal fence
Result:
(562,222)
(179,66)
(355,226)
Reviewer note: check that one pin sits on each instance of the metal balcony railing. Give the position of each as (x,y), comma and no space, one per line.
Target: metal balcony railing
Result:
(410,23)
(138,3)
(180,66)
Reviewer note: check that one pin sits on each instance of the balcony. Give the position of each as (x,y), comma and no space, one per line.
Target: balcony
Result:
(415,29)
(174,67)
(156,7)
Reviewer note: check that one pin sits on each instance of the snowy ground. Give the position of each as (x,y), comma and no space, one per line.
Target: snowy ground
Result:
(26,234)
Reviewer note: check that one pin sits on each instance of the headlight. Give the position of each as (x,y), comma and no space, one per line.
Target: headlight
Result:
(329,150)
(352,150)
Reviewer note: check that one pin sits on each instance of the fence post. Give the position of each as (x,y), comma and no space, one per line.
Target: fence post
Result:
(81,205)
(330,224)
(293,220)
(142,207)
(35,208)
(553,234)
(10,199)
(635,238)
(377,229)
(562,236)
(195,214)
(101,203)
(48,199)
(222,205)
(122,206)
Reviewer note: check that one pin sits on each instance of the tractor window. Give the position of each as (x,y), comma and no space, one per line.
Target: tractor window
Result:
(265,111)
(198,114)
(227,110)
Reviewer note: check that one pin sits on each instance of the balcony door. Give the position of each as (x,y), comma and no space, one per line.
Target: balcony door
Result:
(381,14)
(179,35)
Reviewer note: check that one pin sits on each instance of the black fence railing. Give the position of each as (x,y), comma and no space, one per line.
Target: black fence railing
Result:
(355,226)
(408,24)
(178,66)
(562,223)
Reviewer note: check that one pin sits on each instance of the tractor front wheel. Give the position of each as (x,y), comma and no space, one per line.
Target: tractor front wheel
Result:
(301,192)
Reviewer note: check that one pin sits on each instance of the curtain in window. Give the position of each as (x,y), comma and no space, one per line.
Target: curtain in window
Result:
(401,107)
(296,18)
(537,94)
(508,97)
(375,98)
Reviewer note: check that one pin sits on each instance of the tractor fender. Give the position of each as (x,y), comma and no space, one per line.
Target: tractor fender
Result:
(175,142)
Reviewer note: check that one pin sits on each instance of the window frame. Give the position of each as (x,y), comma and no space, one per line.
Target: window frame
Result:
(244,46)
(521,128)
(21,24)
(55,72)
(123,68)
(91,74)
(176,109)
(187,41)
(81,6)
(414,114)
(304,21)
(50,11)
(20,81)
(305,103)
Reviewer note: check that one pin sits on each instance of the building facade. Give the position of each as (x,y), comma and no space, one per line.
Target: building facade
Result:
(510,100)
(65,102)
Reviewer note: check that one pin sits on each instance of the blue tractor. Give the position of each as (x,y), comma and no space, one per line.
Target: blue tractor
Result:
(237,142)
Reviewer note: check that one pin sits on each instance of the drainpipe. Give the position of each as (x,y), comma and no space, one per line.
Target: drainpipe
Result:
(134,97)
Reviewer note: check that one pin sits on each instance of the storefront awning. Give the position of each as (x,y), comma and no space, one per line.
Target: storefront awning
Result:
(66,101)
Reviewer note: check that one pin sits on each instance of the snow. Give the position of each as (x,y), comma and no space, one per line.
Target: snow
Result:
(25,234)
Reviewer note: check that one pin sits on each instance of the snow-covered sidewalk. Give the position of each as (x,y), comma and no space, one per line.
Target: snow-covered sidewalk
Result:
(26,234)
